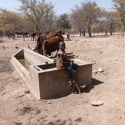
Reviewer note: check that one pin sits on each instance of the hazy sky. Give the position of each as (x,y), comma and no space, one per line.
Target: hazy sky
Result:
(61,7)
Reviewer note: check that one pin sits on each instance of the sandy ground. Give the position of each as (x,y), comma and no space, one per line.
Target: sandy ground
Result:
(106,52)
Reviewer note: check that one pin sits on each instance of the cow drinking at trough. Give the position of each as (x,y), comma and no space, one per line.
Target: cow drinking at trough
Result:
(51,45)
(47,36)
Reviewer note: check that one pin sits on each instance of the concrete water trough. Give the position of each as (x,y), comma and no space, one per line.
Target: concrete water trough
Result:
(45,80)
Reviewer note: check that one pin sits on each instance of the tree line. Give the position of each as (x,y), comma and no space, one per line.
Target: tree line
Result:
(39,16)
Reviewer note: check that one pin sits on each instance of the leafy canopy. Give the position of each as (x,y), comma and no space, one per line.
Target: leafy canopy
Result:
(63,22)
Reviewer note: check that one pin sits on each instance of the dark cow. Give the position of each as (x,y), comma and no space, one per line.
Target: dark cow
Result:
(19,33)
(33,35)
(45,37)
(24,34)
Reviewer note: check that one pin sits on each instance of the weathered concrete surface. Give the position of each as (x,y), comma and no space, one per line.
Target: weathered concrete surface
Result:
(48,81)
(55,81)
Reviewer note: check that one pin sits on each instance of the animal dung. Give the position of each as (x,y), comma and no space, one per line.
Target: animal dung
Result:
(97,103)
(3,47)
(16,47)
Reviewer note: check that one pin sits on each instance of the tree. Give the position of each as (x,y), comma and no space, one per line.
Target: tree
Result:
(119,6)
(85,16)
(78,20)
(35,11)
(91,13)
(9,20)
(63,22)
(111,20)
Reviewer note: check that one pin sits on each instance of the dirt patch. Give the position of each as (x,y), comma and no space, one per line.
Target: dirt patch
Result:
(107,53)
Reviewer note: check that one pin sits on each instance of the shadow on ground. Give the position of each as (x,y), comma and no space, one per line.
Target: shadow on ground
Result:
(88,88)
(83,89)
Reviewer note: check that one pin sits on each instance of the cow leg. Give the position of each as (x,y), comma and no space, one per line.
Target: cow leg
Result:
(23,38)
(49,51)
(13,37)
(45,48)
(41,52)
(56,54)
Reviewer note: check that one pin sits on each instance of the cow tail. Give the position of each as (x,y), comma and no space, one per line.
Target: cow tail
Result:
(44,48)
(38,39)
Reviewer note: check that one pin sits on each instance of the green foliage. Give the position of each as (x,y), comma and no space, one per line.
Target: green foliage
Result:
(63,22)
(8,19)
(119,6)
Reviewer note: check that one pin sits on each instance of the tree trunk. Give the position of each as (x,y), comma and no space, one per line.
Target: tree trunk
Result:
(106,32)
(1,34)
(37,30)
(89,31)
(111,29)
(80,31)
(83,33)
(124,28)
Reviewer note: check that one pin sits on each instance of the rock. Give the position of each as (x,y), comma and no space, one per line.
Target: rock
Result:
(100,70)
(3,47)
(57,112)
(104,73)
(20,95)
(27,91)
(83,57)
(97,103)
(48,102)
(95,71)
(2,93)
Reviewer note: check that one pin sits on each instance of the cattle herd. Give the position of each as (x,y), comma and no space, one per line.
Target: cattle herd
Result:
(46,43)
(21,34)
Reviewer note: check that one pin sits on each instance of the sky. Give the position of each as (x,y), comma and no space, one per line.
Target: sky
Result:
(61,6)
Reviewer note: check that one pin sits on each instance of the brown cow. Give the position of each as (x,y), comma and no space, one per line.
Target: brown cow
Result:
(51,45)
(45,37)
